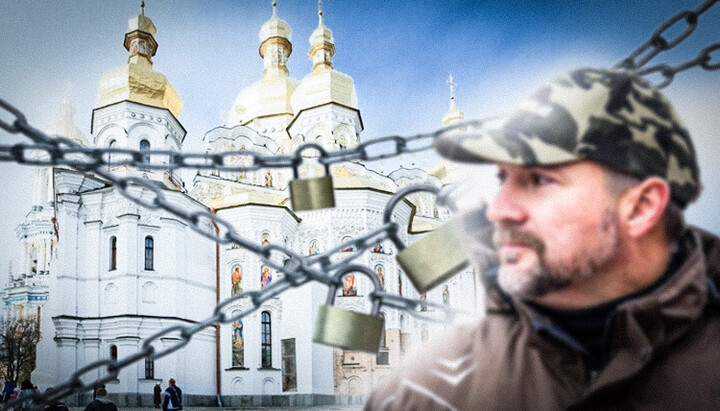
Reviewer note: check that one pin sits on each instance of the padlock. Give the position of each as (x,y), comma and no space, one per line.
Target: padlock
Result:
(434,258)
(311,193)
(349,330)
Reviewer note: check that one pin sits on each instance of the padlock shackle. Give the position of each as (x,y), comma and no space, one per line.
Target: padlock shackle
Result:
(360,269)
(395,199)
(298,159)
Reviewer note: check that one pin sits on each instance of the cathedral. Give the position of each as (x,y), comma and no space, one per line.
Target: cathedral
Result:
(102,273)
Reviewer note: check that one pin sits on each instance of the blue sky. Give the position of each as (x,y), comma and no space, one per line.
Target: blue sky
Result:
(399,53)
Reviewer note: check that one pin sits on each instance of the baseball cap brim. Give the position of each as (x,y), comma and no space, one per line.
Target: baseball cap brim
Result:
(495,141)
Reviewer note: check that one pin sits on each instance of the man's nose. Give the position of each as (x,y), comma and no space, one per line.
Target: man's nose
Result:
(506,207)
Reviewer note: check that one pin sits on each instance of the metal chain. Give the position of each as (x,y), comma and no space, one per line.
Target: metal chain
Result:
(57,151)
(658,43)
(298,270)
(668,72)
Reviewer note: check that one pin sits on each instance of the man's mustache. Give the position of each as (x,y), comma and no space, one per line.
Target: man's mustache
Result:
(510,234)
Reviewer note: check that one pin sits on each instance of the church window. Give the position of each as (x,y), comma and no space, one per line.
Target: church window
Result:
(149,368)
(145,146)
(112,144)
(149,250)
(266,336)
(113,253)
(113,352)
(383,355)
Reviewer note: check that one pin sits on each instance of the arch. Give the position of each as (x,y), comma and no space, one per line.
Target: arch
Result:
(149,292)
(110,293)
(268,386)
(354,385)
(113,352)
(237,386)
(149,253)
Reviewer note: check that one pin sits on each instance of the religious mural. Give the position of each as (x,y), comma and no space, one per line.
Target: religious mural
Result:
(347,248)
(265,276)
(236,280)
(349,288)
(238,344)
(313,249)
(380,271)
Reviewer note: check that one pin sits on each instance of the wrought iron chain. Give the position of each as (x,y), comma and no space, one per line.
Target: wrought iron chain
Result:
(54,151)
(659,43)
(298,270)
(703,59)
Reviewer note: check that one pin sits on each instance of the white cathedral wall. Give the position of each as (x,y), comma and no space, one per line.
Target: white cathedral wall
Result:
(95,307)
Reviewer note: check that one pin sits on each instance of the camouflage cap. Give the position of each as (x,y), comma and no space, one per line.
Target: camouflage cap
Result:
(613,117)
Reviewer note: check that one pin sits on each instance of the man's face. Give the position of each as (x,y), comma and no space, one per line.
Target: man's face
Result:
(555,227)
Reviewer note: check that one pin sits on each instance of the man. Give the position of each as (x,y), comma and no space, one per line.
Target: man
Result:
(101,402)
(173,396)
(603,299)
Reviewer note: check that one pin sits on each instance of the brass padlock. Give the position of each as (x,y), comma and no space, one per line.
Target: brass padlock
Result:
(345,329)
(311,193)
(434,258)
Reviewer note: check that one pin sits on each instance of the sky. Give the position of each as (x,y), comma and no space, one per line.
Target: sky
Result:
(399,53)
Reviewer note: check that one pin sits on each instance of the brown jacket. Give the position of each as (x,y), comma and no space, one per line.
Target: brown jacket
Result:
(664,354)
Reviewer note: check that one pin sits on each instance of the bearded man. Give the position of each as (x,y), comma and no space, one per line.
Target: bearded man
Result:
(603,298)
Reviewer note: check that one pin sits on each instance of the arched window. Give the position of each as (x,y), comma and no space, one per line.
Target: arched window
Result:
(145,146)
(266,336)
(113,352)
(112,144)
(113,253)
(149,250)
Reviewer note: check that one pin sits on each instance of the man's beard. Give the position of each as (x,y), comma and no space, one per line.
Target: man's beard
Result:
(545,274)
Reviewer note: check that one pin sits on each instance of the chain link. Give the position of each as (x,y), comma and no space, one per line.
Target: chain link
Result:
(659,43)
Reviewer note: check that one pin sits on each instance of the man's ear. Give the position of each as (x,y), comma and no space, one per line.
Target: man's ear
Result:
(643,205)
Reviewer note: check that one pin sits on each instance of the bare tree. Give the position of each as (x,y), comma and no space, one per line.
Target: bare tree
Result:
(18,339)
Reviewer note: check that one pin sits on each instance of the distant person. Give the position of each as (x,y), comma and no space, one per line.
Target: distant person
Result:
(173,397)
(95,390)
(26,389)
(157,395)
(56,406)
(101,402)
(8,389)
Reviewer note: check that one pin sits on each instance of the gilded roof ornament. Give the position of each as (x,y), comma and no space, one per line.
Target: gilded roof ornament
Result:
(136,81)
(453,115)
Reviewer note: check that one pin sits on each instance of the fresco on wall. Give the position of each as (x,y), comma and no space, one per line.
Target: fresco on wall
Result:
(265,276)
(238,344)
(380,271)
(349,288)
(236,280)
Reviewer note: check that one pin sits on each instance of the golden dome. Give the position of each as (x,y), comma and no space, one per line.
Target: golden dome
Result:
(275,29)
(65,126)
(267,97)
(323,84)
(136,81)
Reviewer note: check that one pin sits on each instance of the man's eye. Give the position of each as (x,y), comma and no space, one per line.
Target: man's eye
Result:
(540,180)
